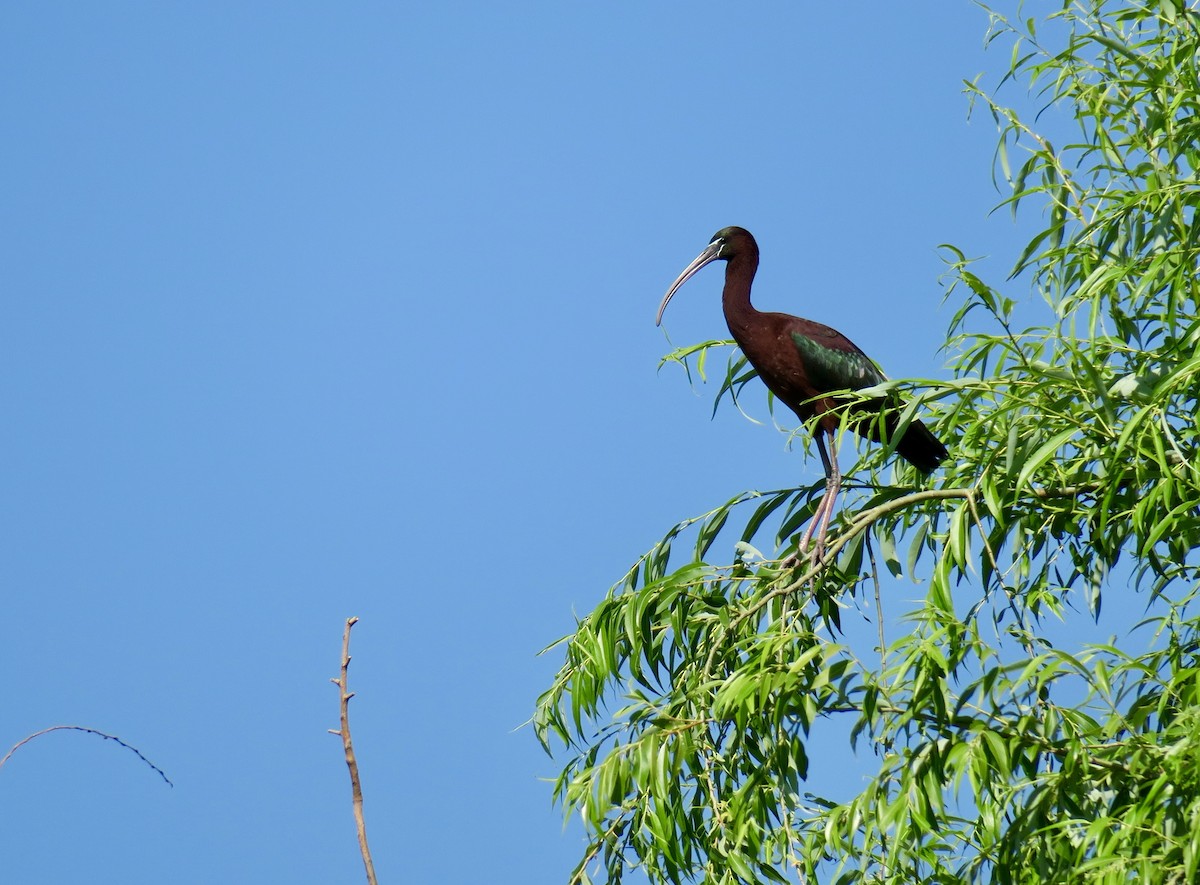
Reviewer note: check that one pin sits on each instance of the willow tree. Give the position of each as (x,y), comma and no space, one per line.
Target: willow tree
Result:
(683,708)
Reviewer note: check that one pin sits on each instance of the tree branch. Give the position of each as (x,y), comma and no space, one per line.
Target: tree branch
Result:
(107,737)
(351,762)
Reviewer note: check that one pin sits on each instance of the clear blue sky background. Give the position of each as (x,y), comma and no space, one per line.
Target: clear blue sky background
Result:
(314,310)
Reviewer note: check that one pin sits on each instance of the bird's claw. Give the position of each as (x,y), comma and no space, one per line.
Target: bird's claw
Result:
(815,556)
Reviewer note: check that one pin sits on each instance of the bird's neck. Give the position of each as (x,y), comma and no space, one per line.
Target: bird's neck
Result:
(739,274)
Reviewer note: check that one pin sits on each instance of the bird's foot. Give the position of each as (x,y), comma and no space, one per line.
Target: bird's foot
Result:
(815,555)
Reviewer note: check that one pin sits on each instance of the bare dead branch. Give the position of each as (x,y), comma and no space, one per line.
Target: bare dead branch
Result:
(85,730)
(351,762)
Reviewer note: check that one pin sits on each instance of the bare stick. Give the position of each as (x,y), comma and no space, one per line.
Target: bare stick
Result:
(108,737)
(351,761)
(878,600)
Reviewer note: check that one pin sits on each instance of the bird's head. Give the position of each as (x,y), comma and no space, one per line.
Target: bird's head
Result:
(733,240)
(727,243)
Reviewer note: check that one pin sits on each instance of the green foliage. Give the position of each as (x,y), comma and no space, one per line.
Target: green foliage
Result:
(687,699)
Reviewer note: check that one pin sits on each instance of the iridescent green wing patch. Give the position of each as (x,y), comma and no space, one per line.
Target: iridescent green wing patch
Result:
(833,369)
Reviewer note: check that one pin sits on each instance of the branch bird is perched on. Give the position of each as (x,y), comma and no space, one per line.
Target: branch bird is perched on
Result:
(803,363)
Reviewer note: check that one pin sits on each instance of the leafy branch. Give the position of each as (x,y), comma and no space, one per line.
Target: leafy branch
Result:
(688,698)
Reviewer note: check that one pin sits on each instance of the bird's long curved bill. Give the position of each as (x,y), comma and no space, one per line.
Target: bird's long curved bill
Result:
(708,256)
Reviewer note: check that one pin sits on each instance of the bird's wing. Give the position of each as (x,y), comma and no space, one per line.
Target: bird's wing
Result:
(833,362)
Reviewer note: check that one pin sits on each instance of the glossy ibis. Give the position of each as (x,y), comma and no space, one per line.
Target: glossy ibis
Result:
(802,362)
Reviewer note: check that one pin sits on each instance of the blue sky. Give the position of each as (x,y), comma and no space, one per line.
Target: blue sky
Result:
(316,310)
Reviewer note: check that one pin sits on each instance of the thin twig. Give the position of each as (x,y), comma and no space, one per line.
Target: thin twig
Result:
(351,762)
(1009,593)
(107,737)
(878,602)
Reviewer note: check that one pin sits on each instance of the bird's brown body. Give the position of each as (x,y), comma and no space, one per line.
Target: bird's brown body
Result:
(769,345)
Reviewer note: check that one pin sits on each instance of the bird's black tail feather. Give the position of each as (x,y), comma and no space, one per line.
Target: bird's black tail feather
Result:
(921,448)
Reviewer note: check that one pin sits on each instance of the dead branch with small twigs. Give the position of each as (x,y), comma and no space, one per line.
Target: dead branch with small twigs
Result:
(351,761)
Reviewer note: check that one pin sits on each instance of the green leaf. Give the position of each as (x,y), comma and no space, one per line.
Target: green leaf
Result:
(1043,454)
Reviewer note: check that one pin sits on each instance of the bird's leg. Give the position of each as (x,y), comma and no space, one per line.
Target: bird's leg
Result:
(833,485)
(824,512)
